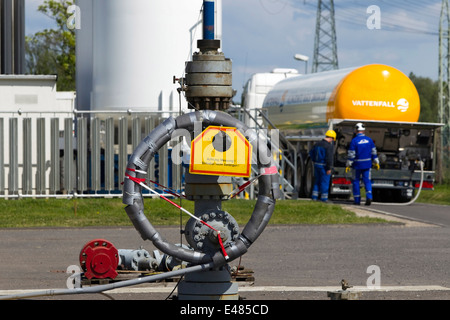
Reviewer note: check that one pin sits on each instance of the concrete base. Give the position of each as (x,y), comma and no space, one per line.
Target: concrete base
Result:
(344,295)
(208,285)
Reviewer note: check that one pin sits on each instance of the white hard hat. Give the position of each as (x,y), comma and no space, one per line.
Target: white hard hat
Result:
(360,127)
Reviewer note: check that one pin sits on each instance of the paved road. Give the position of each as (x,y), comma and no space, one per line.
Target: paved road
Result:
(314,257)
(436,214)
(290,262)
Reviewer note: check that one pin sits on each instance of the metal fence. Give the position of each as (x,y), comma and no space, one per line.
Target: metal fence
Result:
(75,154)
(84,154)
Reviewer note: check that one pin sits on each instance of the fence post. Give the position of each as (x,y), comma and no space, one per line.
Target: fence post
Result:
(27,159)
(13,178)
(123,148)
(95,154)
(136,132)
(55,159)
(2,157)
(40,157)
(109,154)
(82,154)
(68,155)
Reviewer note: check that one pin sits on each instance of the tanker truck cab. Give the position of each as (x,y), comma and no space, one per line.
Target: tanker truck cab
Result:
(406,153)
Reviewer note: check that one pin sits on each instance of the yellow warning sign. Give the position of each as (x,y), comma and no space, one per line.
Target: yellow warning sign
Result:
(221,151)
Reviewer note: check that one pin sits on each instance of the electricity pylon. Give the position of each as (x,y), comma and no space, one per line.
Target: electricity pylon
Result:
(325,47)
(444,89)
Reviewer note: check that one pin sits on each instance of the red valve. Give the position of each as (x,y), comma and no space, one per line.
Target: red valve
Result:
(99,259)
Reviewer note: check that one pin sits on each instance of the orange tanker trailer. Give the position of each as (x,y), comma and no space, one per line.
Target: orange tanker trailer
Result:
(304,107)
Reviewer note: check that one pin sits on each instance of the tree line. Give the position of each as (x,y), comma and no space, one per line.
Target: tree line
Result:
(428,90)
(52,51)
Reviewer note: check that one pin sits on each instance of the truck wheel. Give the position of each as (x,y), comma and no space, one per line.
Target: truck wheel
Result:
(290,175)
(309,178)
(300,174)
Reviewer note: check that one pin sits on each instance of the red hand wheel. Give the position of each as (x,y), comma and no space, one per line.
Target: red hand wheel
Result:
(99,259)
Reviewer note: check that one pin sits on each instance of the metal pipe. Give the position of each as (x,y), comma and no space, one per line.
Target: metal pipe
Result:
(111,286)
(208,20)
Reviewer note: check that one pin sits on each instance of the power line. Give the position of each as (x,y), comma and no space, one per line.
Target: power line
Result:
(354,13)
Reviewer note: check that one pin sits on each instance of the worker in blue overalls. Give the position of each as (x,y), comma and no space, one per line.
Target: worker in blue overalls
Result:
(361,154)
(322,156)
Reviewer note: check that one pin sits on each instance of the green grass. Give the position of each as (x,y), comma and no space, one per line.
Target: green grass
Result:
(299,212)
(83,212)
(61,212)
(440,195)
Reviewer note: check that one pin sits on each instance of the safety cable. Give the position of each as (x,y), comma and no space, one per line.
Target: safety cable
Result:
(264,171)
(161,187)
(169,190)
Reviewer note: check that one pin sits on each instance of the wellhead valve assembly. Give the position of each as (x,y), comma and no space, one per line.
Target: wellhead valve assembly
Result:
(222,147)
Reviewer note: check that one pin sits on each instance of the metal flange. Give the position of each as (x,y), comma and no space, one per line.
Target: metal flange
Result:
(202,238)
(209,78)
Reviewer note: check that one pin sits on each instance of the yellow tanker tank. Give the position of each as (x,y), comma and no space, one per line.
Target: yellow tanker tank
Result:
(372,92)
(375,92)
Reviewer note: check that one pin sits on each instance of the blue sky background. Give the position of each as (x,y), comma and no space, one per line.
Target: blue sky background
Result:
(259,35)
(35,21)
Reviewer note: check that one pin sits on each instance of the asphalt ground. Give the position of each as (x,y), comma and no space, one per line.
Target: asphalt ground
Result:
(424,212)
(289,262)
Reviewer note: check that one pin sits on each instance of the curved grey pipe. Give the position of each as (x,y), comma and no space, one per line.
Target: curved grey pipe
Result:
(144,153)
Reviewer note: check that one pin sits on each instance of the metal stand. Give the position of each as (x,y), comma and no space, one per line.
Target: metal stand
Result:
(208,285)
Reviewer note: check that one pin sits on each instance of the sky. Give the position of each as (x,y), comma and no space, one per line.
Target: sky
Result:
(260,35)
(34,20)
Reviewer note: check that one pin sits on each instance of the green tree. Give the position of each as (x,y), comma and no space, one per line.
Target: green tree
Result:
(429,97)
(52,51)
